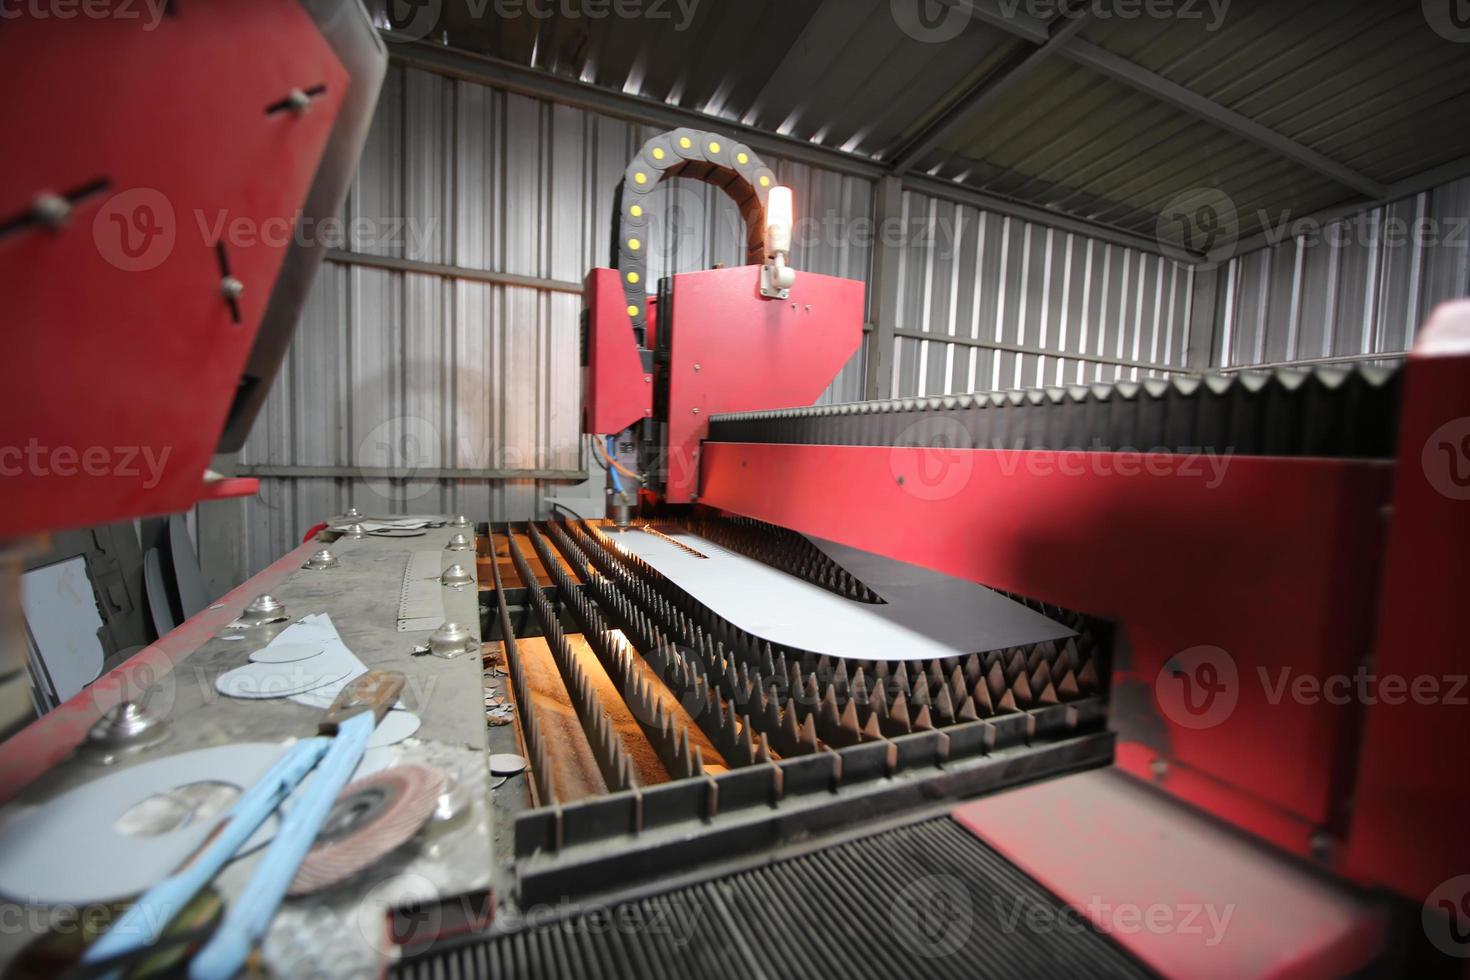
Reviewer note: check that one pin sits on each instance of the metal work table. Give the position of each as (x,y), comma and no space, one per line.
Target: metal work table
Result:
(341,931)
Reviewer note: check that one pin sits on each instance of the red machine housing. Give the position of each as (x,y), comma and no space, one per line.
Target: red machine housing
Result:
(729,350)
(1318,568)
(733,351)
(119,385)
(617,391)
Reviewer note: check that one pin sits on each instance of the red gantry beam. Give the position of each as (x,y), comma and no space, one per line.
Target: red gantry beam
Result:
(1221,572)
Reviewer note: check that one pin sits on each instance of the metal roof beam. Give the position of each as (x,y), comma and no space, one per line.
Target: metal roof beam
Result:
(949,190)
(1135,76)
(983,95)
(1017,23)
(1408,187)
(1006,15)
(534,83)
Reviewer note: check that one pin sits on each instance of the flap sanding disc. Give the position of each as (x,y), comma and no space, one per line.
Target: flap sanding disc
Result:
(371,817)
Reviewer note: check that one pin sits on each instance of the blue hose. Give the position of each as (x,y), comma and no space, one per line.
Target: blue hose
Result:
(612,471)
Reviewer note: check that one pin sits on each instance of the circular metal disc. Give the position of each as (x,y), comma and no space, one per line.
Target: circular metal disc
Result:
(286,653)
(507,764)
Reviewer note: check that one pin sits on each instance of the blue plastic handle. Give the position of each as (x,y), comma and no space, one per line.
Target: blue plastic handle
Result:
(250,915)
(143,923)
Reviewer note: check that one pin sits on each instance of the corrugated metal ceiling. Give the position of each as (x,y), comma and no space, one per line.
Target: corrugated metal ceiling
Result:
(1369,84)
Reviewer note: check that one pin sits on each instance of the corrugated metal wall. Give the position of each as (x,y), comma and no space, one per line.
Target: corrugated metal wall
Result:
(1359,286)
(413,372)
(997,280)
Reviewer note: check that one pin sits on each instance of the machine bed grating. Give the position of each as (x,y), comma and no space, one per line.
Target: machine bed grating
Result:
(928,899)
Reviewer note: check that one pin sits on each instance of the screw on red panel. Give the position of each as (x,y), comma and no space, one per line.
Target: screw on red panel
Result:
(51,210)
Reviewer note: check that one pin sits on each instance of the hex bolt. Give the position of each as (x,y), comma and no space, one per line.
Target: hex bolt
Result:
(51,210)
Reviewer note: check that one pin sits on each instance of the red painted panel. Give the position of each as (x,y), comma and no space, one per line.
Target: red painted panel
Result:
(734,351)
(123,356)
(1273,561)
(1184,895)
(617,391)
(1412,801)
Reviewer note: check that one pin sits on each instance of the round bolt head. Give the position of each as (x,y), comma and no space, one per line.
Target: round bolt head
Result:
(298,100)
(124,729)
(321,561)
(352,513)
(460,521)
(356,531)
(263,609)
(456,577)
(458,543)
(449,641)
(51,210)
(231,288)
